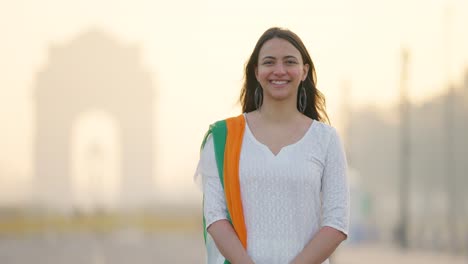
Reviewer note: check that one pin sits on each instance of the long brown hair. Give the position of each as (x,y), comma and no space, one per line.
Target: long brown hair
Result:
(315,108)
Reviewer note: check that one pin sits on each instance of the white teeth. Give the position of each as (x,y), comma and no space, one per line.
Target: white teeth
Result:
(279,82)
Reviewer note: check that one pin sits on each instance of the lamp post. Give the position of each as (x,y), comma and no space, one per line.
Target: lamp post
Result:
(402,231)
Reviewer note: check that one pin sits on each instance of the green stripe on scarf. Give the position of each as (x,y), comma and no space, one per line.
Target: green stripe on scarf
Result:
(219,132)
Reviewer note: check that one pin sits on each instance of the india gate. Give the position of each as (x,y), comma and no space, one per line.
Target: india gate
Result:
(93,72)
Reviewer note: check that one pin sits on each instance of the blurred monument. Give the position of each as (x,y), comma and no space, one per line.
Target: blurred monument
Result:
(93,72)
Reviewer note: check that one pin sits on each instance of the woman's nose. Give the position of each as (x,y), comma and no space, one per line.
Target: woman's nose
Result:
(279,69)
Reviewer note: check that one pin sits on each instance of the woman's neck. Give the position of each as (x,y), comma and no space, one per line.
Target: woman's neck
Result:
(278,112)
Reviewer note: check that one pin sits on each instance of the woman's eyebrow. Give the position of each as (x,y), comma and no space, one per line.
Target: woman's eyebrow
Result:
(289,57)
(268,57)
(274,58)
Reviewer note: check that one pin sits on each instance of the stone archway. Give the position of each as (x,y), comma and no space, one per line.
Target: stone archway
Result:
(93,71)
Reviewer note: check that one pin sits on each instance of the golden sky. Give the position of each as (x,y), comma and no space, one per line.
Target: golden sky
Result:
(196,50)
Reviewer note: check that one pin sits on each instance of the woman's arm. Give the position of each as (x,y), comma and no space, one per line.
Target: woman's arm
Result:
(228,243)
(320,247)
(335,206)
(215,211)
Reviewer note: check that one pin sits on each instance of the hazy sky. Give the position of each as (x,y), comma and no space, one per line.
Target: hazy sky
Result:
(196,51)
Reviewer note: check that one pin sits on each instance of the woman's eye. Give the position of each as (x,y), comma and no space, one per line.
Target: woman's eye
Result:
(291,62)
(267,62)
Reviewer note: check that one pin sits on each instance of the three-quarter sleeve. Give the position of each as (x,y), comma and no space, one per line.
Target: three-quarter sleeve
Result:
(214,203)
(335,189)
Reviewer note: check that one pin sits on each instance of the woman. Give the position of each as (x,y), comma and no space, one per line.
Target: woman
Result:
(274,178)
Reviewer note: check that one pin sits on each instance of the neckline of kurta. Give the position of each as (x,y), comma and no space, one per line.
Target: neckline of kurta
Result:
(265,147)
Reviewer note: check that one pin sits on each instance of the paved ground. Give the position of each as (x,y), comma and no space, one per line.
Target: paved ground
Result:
(381,254)
(128,247)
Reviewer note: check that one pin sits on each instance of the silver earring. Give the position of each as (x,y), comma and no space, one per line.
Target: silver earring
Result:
(302,99)
(258,97)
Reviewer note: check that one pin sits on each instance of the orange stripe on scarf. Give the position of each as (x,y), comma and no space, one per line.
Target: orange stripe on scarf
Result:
(235,132)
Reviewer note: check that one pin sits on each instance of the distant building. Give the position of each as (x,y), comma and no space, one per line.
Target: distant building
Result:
(438,200)
(93,72)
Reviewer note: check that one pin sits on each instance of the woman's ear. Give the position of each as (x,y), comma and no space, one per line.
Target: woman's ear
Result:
(305,71)
(256,72)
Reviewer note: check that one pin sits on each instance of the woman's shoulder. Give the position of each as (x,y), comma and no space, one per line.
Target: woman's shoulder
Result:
(325,133)
(218,127)
(324,128)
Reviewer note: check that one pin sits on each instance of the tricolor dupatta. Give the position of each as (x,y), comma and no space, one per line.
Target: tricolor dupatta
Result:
(227,138)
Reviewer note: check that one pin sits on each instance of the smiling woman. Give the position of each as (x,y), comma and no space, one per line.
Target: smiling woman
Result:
(274,178)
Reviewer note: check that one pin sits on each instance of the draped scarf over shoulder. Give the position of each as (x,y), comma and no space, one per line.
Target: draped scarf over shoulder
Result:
(227,138)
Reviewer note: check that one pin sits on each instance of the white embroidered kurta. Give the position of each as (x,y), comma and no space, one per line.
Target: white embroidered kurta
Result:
(286,197)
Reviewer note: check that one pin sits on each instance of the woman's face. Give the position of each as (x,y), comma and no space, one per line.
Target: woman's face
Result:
(280,70)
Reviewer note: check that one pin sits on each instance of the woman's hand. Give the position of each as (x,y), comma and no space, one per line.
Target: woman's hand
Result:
(322,245)
(228,243)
